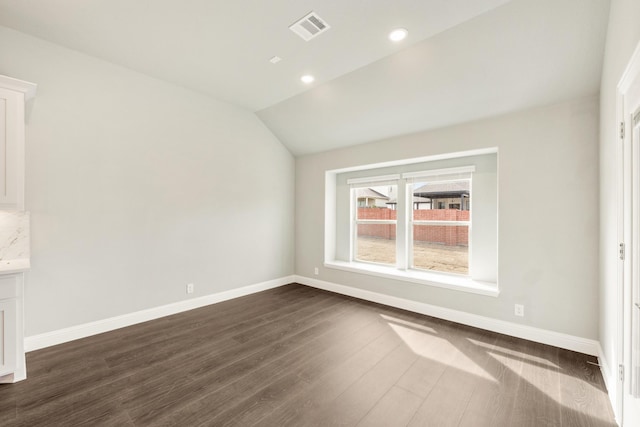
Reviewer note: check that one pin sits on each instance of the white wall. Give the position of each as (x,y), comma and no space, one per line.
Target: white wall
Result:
(137,187)
(622,38)
(548,214)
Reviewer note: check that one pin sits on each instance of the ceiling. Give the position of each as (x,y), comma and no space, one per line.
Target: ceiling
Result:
(462,60)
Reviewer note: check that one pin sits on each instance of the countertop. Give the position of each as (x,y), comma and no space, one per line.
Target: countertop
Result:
(14,265)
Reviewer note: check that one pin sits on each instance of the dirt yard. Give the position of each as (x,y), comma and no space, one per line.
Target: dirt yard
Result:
(428,256)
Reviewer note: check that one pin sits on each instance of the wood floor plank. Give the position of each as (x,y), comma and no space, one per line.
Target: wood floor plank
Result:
(493,401)
(189,388)
(395,408)
(581,391)
(297,409)
(447,400)
(539,390)
(97,375)
(295,356)
(136,338)
(218,403)
(204,335)
(313,362)
(354,403)
(436,352)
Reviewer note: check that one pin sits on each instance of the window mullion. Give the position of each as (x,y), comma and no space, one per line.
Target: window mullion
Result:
(409,216)
(402,230)
(354,226)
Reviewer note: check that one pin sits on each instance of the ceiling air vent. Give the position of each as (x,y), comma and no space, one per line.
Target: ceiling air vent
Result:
(309,27)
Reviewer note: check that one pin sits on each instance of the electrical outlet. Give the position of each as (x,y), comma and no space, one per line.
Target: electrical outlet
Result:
(519,310)
(316,271)
(190,288)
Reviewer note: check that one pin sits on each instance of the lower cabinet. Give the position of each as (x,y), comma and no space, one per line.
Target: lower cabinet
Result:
(8,336)
(12,359)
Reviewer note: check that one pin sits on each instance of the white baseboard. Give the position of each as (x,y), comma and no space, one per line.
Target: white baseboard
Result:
(557,339)
(36,342)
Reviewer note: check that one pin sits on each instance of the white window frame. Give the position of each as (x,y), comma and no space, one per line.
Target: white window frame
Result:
(404,221)
(419,276)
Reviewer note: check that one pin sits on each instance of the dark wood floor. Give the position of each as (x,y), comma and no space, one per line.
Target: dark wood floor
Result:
(299,356)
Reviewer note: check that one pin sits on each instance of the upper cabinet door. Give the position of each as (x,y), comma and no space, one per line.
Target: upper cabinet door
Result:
(13,95)
(11,150)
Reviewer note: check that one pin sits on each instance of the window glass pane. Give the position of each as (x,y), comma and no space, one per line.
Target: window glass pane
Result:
(443,248)
(377,202)
(376,243)
(441,200)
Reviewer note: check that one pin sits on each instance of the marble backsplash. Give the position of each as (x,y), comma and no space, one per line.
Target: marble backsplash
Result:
(14,235)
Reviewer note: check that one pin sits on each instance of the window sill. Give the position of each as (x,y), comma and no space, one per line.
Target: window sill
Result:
(457,283)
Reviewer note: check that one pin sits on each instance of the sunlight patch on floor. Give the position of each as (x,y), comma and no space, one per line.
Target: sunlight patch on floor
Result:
(507,352)
(568,378)
(411,325)
(429,345)
(565,397)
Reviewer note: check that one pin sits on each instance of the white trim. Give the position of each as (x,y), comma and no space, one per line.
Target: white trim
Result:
(625,232)
(414,160)
(557,339)
(441,280)
(630,72)
(620,265)
(373,179)
(28,88)
(438,172)
(439,222)
(330,200)
(610,382)
(375,221)
(60,336)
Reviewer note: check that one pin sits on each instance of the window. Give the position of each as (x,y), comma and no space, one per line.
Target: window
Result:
(373,228)
(436,239)
(429,222)
(440,237)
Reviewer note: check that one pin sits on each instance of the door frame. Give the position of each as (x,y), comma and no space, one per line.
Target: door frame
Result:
(628,216)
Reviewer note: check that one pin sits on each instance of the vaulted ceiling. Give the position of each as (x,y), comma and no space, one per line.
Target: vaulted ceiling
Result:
(463,59)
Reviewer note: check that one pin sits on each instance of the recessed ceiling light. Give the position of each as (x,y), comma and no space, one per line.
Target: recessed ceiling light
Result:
(275,59)
(398,34)
(306,79)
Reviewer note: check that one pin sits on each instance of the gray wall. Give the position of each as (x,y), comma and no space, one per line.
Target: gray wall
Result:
(137,187)
(622,38)
(548,214)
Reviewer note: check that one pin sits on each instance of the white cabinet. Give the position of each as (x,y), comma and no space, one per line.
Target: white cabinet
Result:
(13,96)
(8,336)
(12,359)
